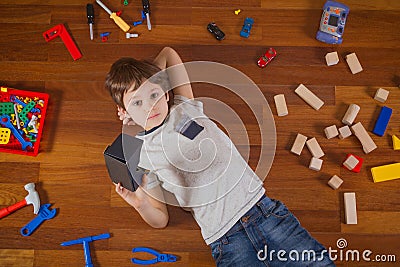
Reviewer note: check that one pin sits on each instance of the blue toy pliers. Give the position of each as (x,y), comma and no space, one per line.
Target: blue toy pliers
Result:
(160,257)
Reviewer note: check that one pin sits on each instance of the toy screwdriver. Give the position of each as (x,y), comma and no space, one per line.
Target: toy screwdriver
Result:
(118,20)
(146,10)
(90,18)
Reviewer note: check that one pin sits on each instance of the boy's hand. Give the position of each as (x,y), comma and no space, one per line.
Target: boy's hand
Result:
(137,199)
(124,117)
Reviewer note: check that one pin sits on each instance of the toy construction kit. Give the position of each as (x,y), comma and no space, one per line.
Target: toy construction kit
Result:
(22,115)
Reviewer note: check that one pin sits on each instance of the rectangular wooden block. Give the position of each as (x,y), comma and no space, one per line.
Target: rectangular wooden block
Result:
(280,104)
(353,63)
(362,135)
(309,97)
(315,148)
(386,172)
(298,144)
(350,208)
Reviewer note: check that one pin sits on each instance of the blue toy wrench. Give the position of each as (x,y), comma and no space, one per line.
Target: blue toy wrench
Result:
(5,121)
(44,214)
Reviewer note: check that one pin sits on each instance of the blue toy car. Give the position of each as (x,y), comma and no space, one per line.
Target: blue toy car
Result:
(248,23)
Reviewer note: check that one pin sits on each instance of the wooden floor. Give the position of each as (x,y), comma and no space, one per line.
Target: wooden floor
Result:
(70,173)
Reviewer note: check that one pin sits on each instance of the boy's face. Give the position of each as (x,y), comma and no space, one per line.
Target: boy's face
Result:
(147,106)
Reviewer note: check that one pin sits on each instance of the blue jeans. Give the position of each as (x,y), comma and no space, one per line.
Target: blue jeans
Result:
(269,235)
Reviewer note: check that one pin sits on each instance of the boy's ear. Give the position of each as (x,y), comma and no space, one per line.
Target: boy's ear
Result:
(167,96)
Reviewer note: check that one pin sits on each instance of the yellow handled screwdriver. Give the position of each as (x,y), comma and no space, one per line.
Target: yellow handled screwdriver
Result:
(118,20)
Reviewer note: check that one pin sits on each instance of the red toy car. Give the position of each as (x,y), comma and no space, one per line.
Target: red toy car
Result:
(266,58)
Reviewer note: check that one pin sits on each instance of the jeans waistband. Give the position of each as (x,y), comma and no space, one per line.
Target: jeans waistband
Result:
(264,200)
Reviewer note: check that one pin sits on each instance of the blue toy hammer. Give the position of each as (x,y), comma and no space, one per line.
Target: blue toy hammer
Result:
(85,241)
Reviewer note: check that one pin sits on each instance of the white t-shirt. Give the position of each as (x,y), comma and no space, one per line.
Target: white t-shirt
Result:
(205,172)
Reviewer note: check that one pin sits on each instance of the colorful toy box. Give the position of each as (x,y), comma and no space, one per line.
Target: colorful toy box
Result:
(22,115)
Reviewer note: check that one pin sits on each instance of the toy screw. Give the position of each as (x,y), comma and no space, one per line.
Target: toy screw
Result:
(131,35)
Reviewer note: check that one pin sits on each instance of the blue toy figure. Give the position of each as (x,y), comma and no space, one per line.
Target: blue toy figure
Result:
(332,22)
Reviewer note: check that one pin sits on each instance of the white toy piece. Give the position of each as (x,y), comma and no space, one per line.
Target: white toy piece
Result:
(350,208)
(344,132)
(351,114)
(280,104)
(131,35)
(309,97)
(351,162)
(381,95)
(298,144)
(315,164)
(353,63)
(332,58)
(315,148)
(331,131)
(362,135)
(335,182)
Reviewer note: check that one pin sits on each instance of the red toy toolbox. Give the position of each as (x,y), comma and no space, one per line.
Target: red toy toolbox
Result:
(22,115)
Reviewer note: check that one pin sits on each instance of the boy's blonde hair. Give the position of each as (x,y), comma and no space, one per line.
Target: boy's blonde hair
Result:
(126,72)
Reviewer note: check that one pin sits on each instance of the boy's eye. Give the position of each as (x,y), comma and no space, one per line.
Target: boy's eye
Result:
(137,103)
(154,95)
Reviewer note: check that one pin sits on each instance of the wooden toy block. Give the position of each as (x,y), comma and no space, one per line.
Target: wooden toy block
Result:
(381,95)
(366,141)
(351,114)
(335,182)
(315,148)
(350,208)
(344,132)
(332,58)
(396,142)
(386,172)
(315,164)
(331,131)
(309,97)
(298,144)
(350,163)
(353,63)
(280,104)
(353,163)
(382,121)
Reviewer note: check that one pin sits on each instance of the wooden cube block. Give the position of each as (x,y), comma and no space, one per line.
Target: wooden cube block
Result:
(298,144)
(351,162)
(353,63)
(315,164)
(332,58)
(315,148)
(381,95)
(280,104)
(350,208)
(344,132)
(335,182)
(331,131)
(351,114)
